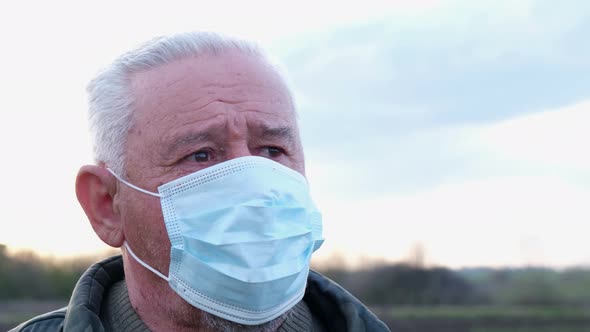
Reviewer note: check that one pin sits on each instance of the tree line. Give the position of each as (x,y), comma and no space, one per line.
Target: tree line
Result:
(407,284)
(27,276)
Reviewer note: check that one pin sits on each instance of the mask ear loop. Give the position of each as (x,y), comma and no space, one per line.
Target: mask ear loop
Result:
(156,272)
(132,186)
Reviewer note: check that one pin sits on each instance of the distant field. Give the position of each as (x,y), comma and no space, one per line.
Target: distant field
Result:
(403,318)
(486,319)
(15,312)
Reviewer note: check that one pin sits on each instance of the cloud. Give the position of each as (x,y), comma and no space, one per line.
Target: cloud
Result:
(392,105)
(506,193)
(554,139)
(545,143)
(459,63)
(509,220)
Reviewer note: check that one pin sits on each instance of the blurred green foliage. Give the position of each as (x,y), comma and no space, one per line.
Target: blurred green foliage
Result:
(26,276)
(407,284)
(532,286)
(487,312)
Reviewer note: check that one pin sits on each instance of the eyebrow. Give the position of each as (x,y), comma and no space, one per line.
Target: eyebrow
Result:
(194,138)
(283,133)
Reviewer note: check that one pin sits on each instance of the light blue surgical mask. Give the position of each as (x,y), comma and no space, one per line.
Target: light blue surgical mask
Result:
(242,234)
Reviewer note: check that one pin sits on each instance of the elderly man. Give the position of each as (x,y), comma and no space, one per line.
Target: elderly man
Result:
(200,179)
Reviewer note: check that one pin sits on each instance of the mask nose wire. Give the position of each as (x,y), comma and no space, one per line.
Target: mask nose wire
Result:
(131,185)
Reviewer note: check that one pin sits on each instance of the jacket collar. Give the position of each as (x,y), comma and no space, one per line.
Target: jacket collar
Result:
(337,309)
(86,301)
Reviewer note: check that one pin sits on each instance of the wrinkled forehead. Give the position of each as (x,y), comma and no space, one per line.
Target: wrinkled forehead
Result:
(193,82)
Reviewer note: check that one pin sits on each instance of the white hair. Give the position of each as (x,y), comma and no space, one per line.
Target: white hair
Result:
(109,95)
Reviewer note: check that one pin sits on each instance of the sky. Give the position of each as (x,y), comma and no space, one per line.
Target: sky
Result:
(457,127)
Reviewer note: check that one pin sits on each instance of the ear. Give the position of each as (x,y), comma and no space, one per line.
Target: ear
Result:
(96,189)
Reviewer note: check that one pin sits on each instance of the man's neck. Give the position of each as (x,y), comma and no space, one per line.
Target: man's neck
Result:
(160,308)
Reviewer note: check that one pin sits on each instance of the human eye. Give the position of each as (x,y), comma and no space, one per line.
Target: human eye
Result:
(201,156)
(272,152)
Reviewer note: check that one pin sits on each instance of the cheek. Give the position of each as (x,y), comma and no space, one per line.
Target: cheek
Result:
(145,231)
(299,163)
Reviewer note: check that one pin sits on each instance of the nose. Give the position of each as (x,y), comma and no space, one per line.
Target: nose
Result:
(236,150)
